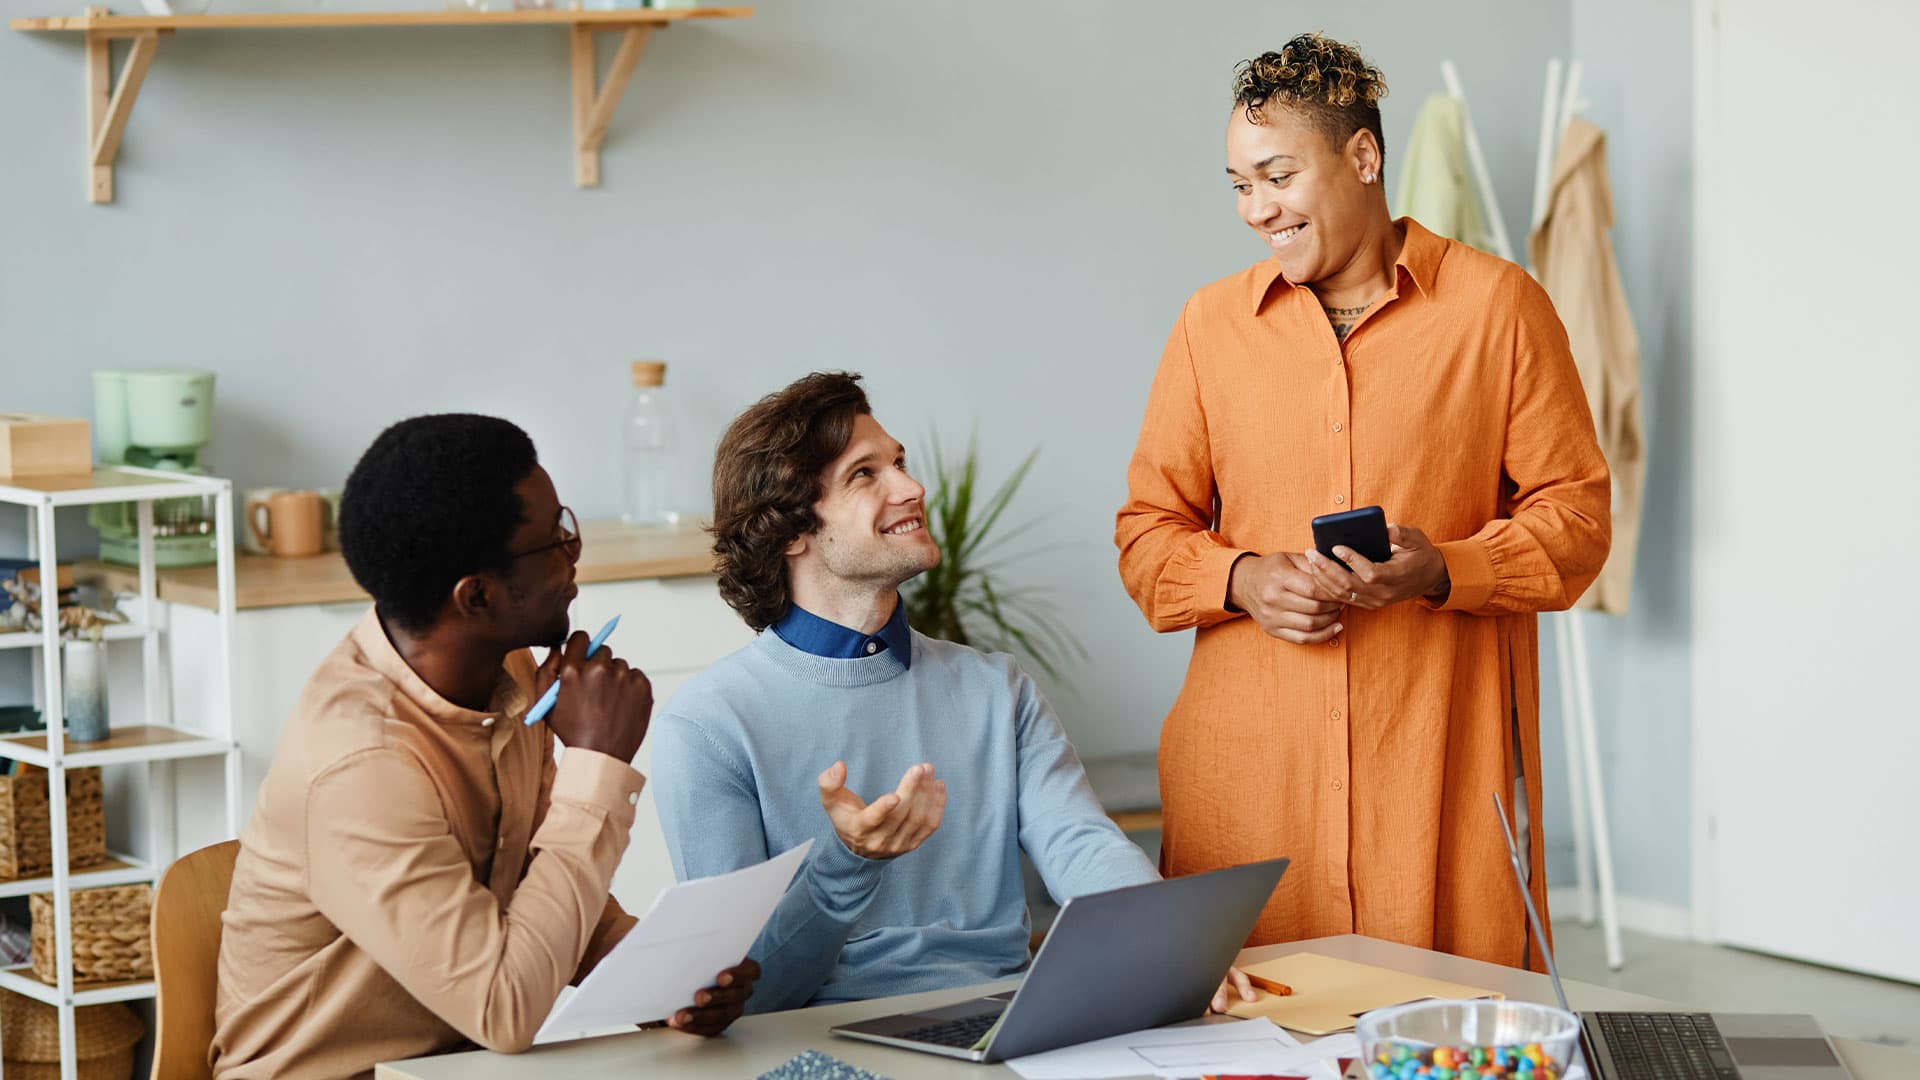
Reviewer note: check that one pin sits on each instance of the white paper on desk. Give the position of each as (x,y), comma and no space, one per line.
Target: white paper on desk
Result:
(1246,1046)
(693,931)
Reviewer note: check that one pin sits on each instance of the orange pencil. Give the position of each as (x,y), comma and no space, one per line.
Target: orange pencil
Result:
(1271,986)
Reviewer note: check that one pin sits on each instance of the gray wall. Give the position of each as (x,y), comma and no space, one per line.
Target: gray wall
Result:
(1638,59)
(994,214)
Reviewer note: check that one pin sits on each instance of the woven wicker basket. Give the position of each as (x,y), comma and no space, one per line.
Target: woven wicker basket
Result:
(112,934)
(26,839)
(104,1038)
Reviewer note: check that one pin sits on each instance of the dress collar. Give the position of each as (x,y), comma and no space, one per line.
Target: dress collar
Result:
(1419,261)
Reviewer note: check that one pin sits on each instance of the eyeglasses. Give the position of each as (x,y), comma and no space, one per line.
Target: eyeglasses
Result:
(569,539)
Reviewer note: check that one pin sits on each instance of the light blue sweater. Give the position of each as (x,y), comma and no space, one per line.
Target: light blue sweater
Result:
(736,756)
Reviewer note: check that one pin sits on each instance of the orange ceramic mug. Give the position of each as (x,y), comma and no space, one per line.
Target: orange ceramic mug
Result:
(289,523)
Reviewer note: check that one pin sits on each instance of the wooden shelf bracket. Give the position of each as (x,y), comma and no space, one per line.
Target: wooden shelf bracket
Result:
(593,108)
(110,102)
(109,105)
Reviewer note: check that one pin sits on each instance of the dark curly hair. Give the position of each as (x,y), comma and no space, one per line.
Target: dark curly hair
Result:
(430,502)
(1326,82)
(766,478)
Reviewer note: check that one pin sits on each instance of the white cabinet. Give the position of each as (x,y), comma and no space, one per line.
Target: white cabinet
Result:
(669,627)
(672,628)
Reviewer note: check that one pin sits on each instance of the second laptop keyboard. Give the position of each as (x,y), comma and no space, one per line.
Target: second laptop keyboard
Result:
(961,1033)
(1666,1046)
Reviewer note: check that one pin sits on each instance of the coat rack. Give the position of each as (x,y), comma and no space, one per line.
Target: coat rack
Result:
(1592,842)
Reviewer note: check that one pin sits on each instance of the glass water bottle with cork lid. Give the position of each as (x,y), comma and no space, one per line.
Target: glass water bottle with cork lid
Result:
(648,450)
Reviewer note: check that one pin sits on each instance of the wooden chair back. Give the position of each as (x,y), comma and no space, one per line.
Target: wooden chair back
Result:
(187,906)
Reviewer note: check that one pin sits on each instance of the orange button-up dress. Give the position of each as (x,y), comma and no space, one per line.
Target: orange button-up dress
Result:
(1371,759)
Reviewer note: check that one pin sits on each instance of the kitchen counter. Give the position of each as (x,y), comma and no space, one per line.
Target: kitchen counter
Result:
(611,552)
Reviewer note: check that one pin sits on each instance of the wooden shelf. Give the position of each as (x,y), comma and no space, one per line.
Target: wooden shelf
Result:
(340,20)
(1133,821)
(260,581)
(22,980)
(143,742)
(106,484)
(31,639)
(610,552)
(117,870)
(109,104)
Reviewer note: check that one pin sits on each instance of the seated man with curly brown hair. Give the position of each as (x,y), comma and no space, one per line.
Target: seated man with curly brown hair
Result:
(816,525)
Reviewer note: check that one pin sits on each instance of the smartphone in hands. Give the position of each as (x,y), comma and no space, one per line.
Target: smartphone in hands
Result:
(1363,530)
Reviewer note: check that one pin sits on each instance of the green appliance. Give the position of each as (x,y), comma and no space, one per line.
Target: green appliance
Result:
(155,420)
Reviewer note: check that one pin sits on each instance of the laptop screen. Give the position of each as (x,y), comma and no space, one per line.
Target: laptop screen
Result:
(1533,913)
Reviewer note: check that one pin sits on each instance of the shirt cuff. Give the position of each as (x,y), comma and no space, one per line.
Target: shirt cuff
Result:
(590,778)
(1469,574)
(1212,571)
(843,879)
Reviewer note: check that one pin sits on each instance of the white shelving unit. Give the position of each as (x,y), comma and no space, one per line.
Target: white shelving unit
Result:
(153,744)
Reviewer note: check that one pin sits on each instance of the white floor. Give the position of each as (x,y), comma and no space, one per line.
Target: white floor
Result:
(1733,980)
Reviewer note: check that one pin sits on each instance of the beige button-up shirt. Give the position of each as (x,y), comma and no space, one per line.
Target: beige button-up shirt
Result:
(1573,256)
(416,877)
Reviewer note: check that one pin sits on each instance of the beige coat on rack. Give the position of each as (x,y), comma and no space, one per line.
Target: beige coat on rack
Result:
(1572,255)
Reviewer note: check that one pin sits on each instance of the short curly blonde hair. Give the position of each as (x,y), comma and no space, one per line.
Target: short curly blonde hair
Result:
(1326,82)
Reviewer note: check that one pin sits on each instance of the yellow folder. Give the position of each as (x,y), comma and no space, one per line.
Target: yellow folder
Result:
(1329,994)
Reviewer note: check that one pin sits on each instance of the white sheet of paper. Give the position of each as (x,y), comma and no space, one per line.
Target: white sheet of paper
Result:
(693,931)
(1247,1046)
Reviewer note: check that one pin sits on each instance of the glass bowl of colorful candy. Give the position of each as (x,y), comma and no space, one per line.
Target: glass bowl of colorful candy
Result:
(1468,1040)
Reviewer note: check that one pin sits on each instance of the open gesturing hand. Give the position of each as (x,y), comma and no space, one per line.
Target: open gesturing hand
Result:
(891,825)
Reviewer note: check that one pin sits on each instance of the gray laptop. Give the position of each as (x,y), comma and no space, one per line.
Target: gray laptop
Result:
(1688,1045)
(1114,962)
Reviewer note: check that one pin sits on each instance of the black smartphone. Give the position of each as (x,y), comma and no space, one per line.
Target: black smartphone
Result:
(1363,530)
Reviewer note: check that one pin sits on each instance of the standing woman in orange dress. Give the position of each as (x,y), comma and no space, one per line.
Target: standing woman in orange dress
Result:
(1359,721)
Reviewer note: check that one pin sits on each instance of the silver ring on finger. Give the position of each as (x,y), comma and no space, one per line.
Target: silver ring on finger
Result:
(1352,595)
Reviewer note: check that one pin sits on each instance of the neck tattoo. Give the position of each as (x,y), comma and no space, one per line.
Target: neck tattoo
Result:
(1344,319)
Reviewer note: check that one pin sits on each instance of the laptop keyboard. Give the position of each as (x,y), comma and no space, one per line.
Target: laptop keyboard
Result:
(959,1033)
(1666,1046)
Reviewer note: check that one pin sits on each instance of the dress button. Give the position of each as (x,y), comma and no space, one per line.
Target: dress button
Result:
(1333,643)
(1336,714)
(633,798)
(1336,785)
(1337,428)
(1339,500)
(872,647)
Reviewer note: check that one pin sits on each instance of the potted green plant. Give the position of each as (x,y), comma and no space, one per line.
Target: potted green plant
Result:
(966,599)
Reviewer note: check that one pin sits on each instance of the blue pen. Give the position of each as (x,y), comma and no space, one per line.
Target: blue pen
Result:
(545,705)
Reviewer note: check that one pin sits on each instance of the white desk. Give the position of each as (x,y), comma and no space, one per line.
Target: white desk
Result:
(758,1043)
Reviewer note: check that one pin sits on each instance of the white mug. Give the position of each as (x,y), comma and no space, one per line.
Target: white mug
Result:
(250,542)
